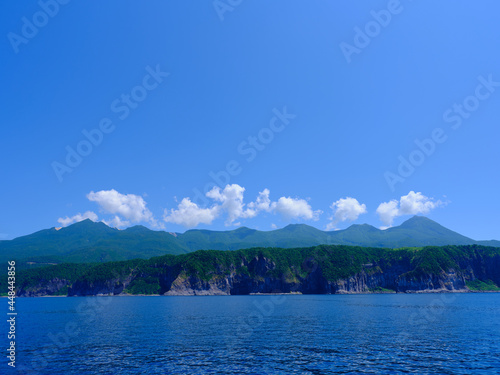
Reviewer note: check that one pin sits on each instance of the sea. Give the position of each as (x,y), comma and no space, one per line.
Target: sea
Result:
(448,333)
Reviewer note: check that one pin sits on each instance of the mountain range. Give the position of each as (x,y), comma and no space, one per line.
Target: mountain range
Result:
(89,241)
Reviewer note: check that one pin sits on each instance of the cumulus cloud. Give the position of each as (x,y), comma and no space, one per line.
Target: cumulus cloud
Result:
(416,203)
(129,206)
(345,209)
(189,214)
(262,203)
(65,221)
(230,201)
(294,208)
(410,204)
(116,222)
(387,211)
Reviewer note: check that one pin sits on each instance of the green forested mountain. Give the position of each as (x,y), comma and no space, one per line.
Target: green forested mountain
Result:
(87,241)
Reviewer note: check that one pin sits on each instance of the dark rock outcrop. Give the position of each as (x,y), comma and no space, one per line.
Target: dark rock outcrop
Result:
(53,287)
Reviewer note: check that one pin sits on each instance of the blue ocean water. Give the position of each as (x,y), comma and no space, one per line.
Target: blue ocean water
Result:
(293,334)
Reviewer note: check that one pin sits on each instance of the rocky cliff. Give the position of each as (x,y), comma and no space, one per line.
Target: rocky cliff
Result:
(318,270)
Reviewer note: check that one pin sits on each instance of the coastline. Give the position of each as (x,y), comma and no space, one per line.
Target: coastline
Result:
(460,291)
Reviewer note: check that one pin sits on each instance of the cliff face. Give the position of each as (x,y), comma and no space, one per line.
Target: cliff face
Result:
(483,268)
(111,287)
(261,274)
(52,287)
(232,283)
(316,283)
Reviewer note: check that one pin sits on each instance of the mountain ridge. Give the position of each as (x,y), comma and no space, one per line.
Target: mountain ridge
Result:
(88,241)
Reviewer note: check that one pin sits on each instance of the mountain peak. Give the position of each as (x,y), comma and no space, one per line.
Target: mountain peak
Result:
(418,221)
(87,225)
(365,227)
(244,231)
(295,226)
(83,222)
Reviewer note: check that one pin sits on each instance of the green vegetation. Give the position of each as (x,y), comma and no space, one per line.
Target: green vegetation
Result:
(482,286)
(148,285)
(330,262)
(33,278)
(69,272)
(89,242)
(379,289)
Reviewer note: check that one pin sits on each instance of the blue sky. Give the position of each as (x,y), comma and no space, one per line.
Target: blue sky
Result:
(336,98)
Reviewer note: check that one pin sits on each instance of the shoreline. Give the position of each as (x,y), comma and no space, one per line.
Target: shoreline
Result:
(272,294)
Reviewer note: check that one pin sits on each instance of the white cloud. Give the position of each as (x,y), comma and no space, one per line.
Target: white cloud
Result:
(76,218)
(387,211)
(345,209)
(231,199)
(130,206)
(262,203)
(410,204)
(189,214)
(116,222)
(294,208)
(416,203)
